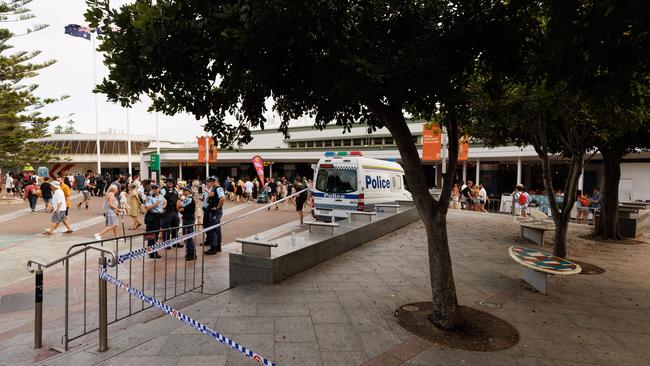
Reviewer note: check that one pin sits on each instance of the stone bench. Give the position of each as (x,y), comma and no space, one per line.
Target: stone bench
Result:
(534,231)
(386,207)
(319,227)
(538,265)
(362,216)
(256,248)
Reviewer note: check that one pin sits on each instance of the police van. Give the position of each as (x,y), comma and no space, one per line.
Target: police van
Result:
(350,182)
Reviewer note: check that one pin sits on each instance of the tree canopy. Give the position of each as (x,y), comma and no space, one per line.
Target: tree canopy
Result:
(20,117)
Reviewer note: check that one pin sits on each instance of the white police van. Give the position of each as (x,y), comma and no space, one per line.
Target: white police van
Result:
(349,182)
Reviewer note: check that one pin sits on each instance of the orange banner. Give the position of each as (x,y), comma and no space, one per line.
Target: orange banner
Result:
(431,142)
(463,148)
(212,149)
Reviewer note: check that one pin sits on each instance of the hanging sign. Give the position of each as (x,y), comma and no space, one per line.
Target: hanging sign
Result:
(431,142)
(463,148)
(212,150)
(258,164)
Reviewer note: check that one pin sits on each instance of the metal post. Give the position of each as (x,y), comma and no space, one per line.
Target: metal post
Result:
(38,310)
(103,310)
(464,172)
(478,171)
(207,157)
(519,170)
(99,155)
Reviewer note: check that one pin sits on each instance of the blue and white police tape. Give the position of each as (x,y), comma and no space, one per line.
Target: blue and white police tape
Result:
(139,253)
(184,318)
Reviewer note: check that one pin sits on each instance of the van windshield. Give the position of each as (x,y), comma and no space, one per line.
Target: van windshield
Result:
(336,181)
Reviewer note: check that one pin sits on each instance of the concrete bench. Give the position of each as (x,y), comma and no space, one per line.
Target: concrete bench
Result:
(538,265)
(386,207)
(256,248)
(362,216)
(629,209)
(534,231)
(322,227)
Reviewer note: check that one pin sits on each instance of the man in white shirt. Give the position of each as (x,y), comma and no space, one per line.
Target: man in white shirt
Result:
(249,190)
(9,185)
(58,207)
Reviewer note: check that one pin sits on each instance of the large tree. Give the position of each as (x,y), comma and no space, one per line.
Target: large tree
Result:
(341,62)
(19,106)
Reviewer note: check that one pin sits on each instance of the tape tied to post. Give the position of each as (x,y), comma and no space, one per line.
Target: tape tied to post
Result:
(103,274)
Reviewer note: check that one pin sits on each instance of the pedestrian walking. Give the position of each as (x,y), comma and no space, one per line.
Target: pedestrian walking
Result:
(32,192)
(216,199)
(154,207)
(111,210)
(67,193)
(301,199)
(134,206)
(187,207)
(83,186)
(58,209)
(46,193)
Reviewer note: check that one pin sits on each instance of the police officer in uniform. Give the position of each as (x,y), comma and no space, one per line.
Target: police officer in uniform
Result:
(170,218)
(153,207)
(206,216)
(186,207)
(216,199)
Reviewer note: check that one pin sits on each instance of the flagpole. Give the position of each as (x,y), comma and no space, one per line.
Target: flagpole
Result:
(207,157)
(99,157)
(157,146)
(128,136)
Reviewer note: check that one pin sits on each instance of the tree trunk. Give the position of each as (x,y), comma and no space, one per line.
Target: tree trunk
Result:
(446,312)
(608,225)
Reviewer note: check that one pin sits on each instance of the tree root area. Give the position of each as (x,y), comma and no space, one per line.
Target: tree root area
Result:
(478,331)
(599,239)
(589,269)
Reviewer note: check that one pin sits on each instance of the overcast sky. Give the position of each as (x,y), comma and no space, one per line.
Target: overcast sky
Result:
(72,75)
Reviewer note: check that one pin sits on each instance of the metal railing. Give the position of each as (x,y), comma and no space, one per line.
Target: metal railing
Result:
(166,281)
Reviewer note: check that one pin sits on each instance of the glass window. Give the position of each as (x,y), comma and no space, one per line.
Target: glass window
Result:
(337,142)
(347,142)
(377,141)
(301,144)
(388,140)
(318,143)
(336,181)
(327,143)
(357,142)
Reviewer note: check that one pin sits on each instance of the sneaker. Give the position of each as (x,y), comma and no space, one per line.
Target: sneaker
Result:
(68,232)
(190,258)
(155,255)
(98,237)
(46,232)
(211,252)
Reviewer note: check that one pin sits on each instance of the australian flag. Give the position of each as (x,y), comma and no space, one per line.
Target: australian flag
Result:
(77,30)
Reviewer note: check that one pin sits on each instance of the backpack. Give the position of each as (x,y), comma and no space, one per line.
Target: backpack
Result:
(522,199)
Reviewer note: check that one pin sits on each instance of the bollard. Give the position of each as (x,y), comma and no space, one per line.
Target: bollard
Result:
(103,310)
(38,310)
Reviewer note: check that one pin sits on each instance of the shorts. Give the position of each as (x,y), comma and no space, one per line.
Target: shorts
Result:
(86,194)
(9,190)
(300,203)
(58,217)
(482,202)
(47,200)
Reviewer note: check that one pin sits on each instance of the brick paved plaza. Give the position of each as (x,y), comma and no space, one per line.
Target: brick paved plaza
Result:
(341,312)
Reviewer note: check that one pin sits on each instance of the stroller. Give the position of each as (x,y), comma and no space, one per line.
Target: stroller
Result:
(263,197)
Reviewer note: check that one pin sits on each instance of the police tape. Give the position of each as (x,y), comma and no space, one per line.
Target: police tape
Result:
(184,318)
(139,253)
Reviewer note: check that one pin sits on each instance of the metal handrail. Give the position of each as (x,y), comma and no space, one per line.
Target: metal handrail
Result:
(42,265)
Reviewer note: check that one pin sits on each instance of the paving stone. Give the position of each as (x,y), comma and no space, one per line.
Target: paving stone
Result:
(191,345)
(262,344)
(297,354)
(377,342)
(244,324)
(213,360)
(332,358)
(337,337)
(329,316)
(139,361)
(282,309)
(294,329)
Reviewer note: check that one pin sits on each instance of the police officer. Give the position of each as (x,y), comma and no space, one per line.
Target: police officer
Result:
(153,208)
(186,207)
(170,218)
(206,217)
(216,199)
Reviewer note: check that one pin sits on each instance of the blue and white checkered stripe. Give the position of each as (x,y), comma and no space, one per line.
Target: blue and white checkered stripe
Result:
(327,206)
(341,167)
(184,318)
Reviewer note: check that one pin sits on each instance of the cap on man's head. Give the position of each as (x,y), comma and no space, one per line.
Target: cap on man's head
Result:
(155,186)
(212,179)
(55,184)
(187,188)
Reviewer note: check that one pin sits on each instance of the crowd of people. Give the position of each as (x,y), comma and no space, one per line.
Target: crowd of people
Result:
(165,209)
(469,196)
